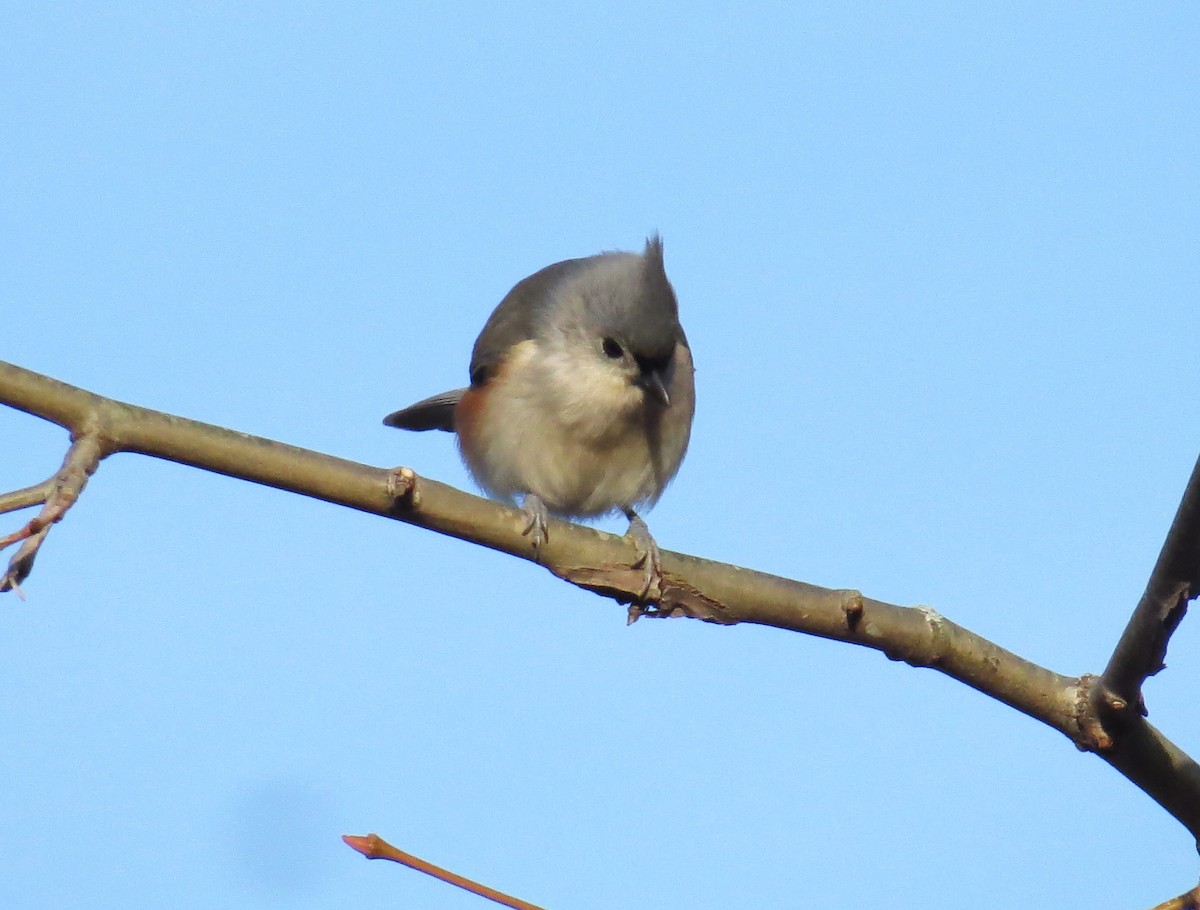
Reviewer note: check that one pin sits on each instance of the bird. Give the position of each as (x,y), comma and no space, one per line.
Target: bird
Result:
(581,396)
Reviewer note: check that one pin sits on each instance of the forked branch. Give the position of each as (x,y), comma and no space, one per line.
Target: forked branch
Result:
(56,495)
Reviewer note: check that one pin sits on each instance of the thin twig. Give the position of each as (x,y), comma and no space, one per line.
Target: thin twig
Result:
(21,564)
(23,499)
(372,846)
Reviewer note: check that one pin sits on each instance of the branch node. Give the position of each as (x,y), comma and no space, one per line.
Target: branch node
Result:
(853,606)
(402,487)
(1090,735)
(938,639)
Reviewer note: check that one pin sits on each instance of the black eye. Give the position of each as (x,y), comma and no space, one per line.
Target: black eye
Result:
(612,349)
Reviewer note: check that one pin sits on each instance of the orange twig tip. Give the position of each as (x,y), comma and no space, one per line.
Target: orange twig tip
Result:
(372,846)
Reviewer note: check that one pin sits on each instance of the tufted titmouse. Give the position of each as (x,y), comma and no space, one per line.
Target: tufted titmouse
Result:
(581,394)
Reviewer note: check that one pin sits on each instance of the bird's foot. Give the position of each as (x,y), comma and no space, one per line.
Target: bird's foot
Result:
(535,528)
(649,557)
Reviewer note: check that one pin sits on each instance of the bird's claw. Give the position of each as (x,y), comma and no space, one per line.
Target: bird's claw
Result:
(536,526)
(649,557)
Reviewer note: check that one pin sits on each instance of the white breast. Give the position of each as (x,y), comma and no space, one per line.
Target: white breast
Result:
(578,435)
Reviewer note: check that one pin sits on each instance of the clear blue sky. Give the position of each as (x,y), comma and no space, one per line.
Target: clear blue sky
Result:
(938,264)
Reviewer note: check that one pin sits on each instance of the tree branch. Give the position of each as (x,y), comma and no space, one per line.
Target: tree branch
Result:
(1189,900)
(600,562)
(1173,583)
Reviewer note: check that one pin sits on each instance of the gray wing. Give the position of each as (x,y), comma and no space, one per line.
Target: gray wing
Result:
(435,413)
(516,318)
(512,322)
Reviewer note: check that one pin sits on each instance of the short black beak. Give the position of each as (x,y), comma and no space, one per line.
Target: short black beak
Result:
(652,382)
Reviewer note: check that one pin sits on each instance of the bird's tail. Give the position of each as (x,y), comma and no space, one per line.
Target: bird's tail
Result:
(435,413)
